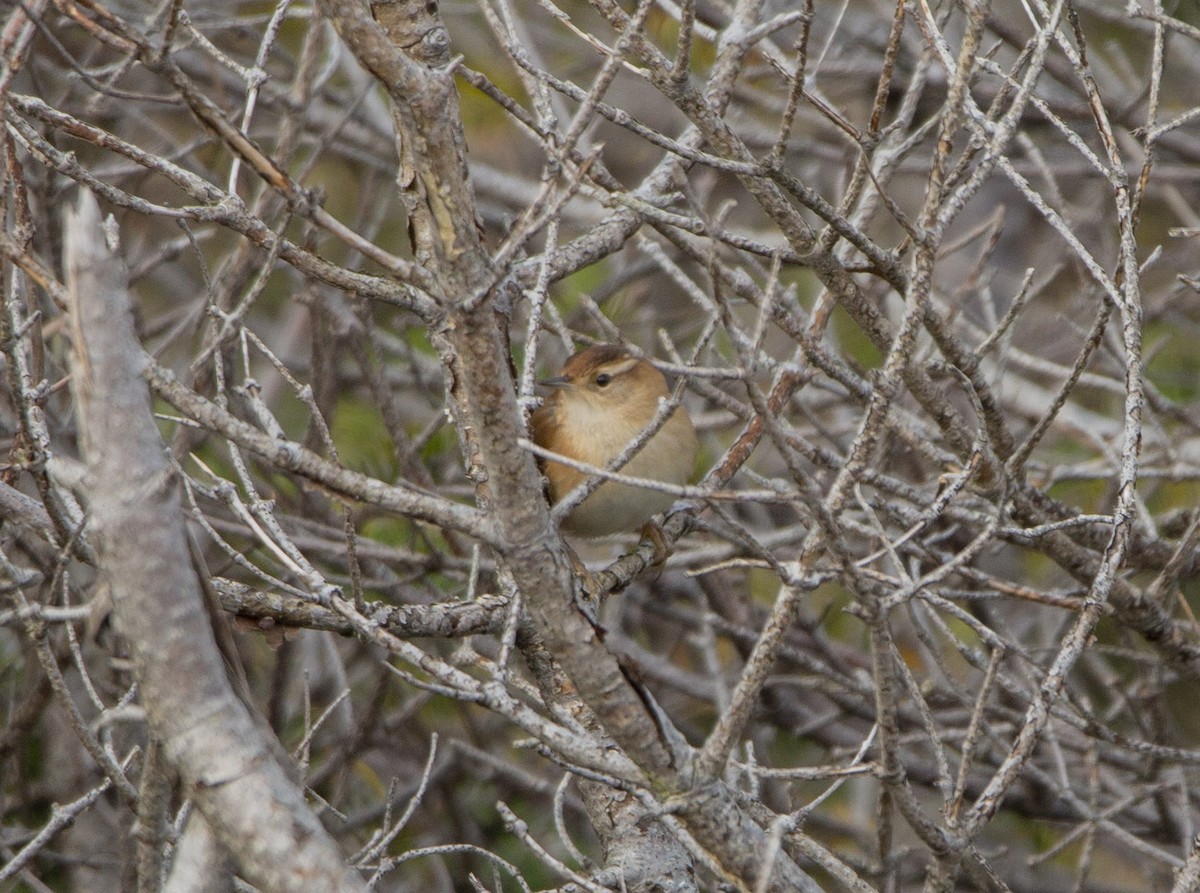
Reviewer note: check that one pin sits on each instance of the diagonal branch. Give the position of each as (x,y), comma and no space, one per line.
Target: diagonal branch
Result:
(208,734)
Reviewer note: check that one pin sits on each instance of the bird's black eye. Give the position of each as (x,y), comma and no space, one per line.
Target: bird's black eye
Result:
(602,379)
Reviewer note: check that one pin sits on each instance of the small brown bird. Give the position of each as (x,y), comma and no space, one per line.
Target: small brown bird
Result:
(603,398)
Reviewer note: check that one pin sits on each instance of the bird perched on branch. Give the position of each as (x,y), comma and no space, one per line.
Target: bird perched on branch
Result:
(604,399)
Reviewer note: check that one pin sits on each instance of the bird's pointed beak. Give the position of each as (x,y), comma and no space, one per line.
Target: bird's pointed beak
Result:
(558,381)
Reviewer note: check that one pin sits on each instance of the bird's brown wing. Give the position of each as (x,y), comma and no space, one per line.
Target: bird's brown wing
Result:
(540,432)
(540,428)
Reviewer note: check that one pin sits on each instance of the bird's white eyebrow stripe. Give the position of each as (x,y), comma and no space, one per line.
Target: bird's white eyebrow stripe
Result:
(618,367)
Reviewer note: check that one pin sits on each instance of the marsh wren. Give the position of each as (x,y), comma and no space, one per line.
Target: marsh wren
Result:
(602,400)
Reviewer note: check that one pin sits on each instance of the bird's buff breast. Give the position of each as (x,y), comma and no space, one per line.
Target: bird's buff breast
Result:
(617,508)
